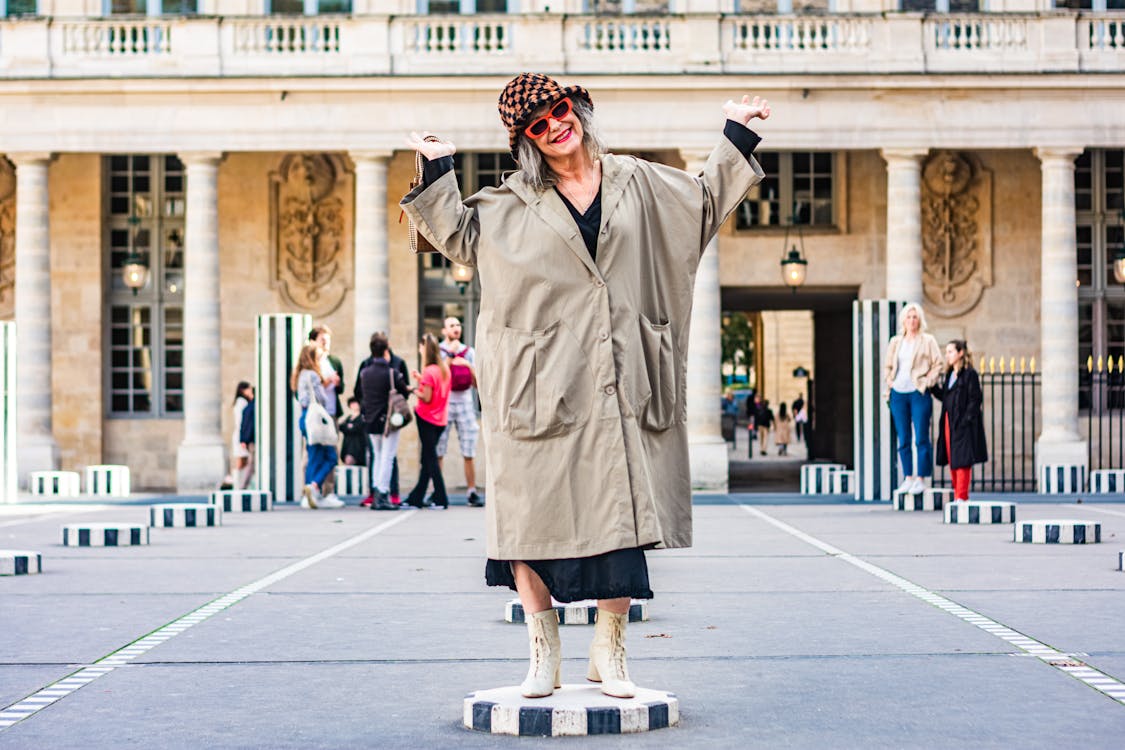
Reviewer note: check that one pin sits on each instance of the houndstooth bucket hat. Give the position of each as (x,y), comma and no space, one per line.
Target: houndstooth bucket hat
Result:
(526,93)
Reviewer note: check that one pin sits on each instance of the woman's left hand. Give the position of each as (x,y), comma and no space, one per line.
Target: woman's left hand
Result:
(746,110)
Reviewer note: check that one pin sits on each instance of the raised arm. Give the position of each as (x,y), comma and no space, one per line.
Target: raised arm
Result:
(436,207)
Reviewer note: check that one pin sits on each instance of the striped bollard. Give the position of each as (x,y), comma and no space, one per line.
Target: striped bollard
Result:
(104,534)
(15,562)
(107,480)
(874,322)
(9,485)
(54,484)
(1107,481)
(1056,479)
(185,515)
(815,478)
(281,449)
(1058,532)
(842,482)
(980,512)
(242,501)
(351,481)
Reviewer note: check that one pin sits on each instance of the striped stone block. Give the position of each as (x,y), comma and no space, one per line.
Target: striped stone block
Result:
(874,322)
(54,483)
(980,512)
(280,458)
(104,534)
(1107,481)
(1061,478)
(931,498)
(107,480)
(842,482)
(351,481)
(572,710)
(815,478)
(243,501)
(1058,532)
(576,613)
(185,515)
(16,562)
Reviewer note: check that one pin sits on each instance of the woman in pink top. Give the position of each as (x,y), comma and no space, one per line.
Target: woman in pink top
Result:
(433,386)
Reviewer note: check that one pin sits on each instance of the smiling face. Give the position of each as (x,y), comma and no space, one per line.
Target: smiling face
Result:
(564,136)
(911,323)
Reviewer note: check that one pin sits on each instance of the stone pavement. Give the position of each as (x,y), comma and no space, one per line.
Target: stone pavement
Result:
(789,624)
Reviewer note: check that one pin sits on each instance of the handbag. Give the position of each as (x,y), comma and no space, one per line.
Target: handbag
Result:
(398,408)
(319,426)
(418,242)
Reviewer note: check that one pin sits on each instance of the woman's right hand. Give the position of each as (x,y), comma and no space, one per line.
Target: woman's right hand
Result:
(430,149)
(415,375)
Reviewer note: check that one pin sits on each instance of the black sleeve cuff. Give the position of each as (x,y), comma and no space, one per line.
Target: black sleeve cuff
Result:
(743,138)
(434,169)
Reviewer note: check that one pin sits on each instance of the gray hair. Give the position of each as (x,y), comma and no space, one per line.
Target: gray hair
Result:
(531,162)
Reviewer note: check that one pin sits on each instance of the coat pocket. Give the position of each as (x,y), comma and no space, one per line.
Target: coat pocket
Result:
(659,413)
(542,386)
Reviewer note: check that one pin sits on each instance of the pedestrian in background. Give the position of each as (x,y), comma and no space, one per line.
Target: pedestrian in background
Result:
(912,367)
(314,395)
(962,442)
(783,429)
(242,459)
(432,388)
(353,451)
(763,421)
(375,384)
(462,413)
(800,417)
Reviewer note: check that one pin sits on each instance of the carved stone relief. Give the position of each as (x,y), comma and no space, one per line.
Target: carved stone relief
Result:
(311,231)
(7,240)
(956,232)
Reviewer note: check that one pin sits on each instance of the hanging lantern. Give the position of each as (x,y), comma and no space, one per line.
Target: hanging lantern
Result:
(793,269)
(463,275)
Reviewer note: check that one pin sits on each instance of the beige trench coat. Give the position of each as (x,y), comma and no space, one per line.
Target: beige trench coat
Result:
(581,367)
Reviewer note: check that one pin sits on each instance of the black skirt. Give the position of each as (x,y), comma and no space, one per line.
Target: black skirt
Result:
(612,575)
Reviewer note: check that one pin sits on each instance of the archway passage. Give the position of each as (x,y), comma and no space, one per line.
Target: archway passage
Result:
(772,371)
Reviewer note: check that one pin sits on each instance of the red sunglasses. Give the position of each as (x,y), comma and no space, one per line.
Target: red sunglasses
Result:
(539,128)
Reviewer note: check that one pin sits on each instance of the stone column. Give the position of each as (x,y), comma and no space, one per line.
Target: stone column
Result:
(200,462)
(708,451)
(904,223)
(36,446)
(1059,442)
(372,270)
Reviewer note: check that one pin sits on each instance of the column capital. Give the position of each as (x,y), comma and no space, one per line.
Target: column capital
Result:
(904,153)
(1057,153)
(193,158)
(29,157)
(370,155)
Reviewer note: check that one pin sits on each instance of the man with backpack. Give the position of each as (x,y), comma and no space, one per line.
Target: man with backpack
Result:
(462,403)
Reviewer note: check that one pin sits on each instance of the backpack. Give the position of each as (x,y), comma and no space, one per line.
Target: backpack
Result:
(461,377)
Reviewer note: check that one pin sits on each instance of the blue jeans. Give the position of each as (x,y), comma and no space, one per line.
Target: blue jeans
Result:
(913,410)
(321,459)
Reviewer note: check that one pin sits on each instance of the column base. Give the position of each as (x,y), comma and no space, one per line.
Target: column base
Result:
(200,466)
(710,469)
(1060,450)
(36,455)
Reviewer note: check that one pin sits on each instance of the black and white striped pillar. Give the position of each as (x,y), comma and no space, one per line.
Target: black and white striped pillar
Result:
(874,322)
(1055,479)
(1107,481)
(281,455)
(1058,532)
(8,476)
(185,515)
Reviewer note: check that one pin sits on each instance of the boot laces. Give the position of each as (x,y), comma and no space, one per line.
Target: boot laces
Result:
(617,652)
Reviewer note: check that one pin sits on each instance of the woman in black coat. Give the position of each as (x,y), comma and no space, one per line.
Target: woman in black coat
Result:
(962,441)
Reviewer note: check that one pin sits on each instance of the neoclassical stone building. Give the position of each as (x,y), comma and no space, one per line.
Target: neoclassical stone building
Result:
(967,154)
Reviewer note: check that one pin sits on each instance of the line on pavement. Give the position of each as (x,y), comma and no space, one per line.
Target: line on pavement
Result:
(1068,664)
(60,689)
(1084,506)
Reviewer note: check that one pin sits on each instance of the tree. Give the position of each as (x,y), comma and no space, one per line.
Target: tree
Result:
(738,341)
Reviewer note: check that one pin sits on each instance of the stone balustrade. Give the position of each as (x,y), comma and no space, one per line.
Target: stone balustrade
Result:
(500,44)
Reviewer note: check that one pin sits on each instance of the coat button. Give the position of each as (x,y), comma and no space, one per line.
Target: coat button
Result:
(599,283)
(604,335)
(610,390)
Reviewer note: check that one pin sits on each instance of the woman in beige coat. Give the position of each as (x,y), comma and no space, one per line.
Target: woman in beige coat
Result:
(586,262)
(913,365)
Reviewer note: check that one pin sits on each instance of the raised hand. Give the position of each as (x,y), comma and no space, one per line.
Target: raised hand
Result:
(746,110)
(430,149)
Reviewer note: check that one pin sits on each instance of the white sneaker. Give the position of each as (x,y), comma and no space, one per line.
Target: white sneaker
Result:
(331,501)
(309,497)
(918,486)
(907,485)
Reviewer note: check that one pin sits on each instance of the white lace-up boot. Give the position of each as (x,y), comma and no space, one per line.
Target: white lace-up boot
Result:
(546,655)
(607,656)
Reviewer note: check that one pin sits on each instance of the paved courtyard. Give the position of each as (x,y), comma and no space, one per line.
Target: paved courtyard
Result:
(789,624)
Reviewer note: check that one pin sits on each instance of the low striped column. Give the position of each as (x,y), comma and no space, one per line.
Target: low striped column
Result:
(1058,532)
(107,480)
(1107,481)
(104,534)
(1057,479)
(842,482)
(184,515)
(929,499)
(874,322)
(576,613)
(54,483)
(815,478)
(243,501)
(572,710)
(9,486)
(980,512)
(351,481)
(15,562)
(281,449)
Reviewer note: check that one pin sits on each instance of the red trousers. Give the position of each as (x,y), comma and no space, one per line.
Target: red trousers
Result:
(961,477)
